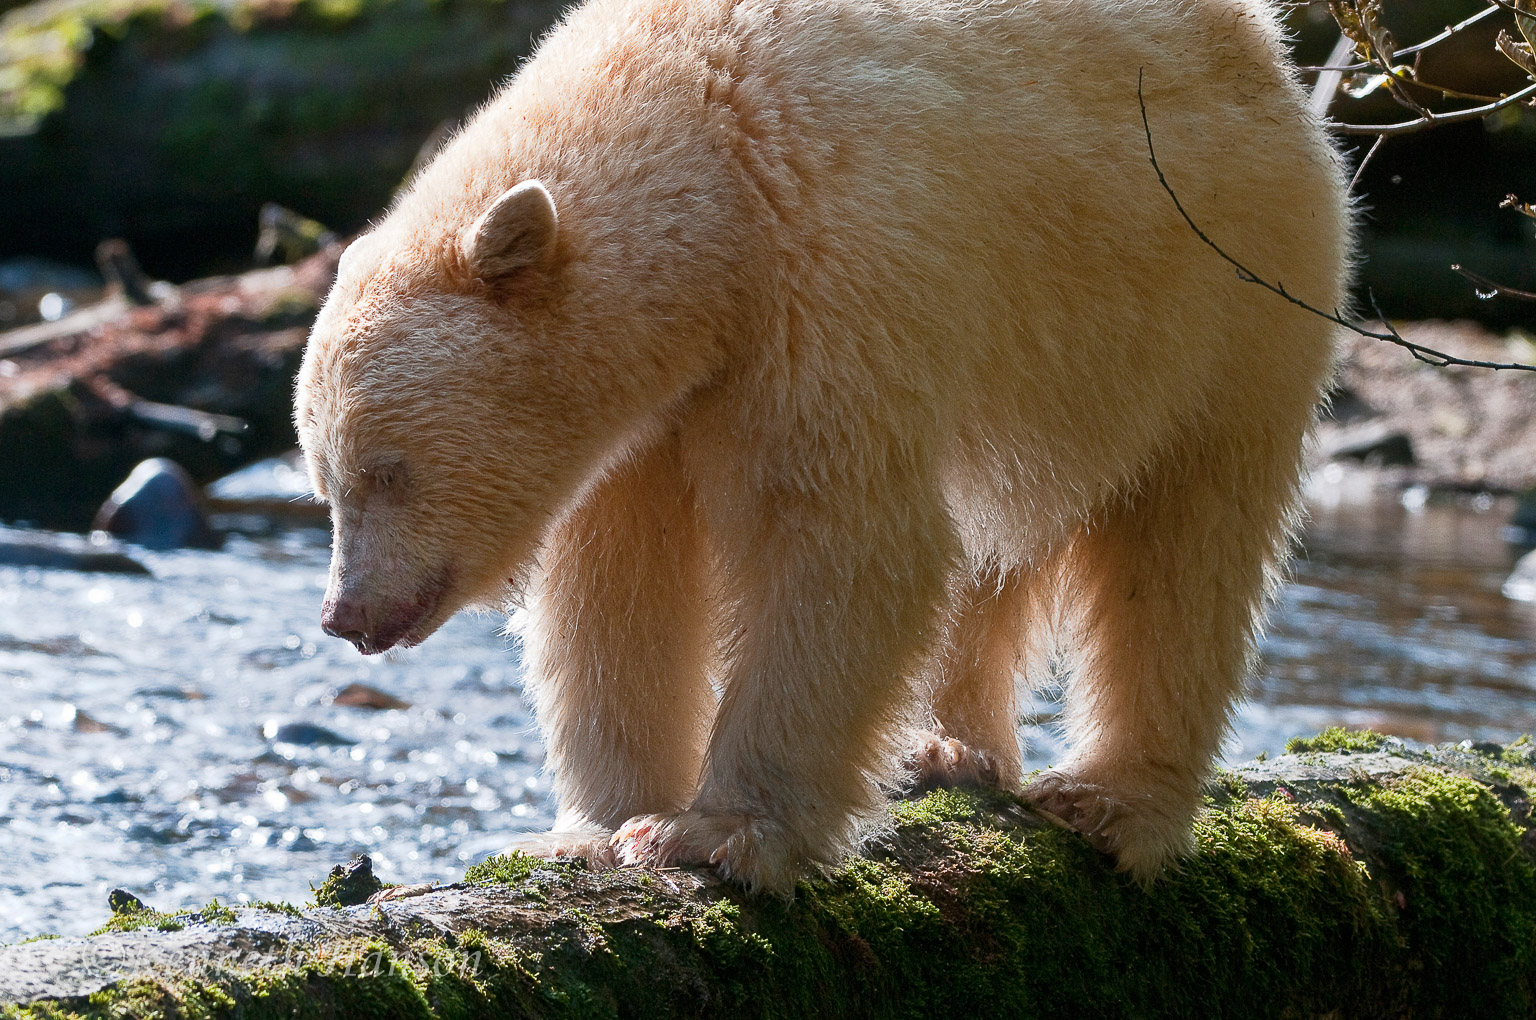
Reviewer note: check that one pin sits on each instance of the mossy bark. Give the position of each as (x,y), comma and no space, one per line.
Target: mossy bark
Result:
(1361,882)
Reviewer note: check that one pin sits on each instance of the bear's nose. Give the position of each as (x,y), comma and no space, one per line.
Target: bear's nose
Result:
(344,618)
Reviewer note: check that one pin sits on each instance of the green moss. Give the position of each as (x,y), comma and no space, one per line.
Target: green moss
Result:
(504,869)
(133,920)
(276,907)
(1464,891)
(941,806)
(1338,739)
(1521,751)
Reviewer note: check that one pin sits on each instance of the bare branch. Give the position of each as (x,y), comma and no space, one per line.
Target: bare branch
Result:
(1428,355)
(1427,121)
(1487,288)
(1523,208)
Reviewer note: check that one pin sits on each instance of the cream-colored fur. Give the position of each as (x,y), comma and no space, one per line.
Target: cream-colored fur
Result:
(804,362)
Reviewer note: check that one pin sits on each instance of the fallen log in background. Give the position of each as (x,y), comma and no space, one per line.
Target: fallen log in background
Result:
(204,377)
(1355,878)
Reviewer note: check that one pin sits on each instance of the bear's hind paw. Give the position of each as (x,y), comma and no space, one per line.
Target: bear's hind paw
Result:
(937,761)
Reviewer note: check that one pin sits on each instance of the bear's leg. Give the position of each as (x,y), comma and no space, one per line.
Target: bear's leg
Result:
(617,649)
(1166,590)
(975,737)
(836,589)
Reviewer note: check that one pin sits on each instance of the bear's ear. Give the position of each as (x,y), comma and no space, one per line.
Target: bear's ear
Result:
(518,230)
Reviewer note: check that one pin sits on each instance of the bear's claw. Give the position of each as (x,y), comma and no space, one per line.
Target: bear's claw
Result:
(743,847)
(938,761)
(1137,829)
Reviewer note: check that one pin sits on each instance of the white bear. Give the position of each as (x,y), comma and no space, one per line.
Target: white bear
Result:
(807,366)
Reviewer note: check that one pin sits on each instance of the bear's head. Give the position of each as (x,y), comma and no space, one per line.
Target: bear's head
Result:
(481,361)
(439,417)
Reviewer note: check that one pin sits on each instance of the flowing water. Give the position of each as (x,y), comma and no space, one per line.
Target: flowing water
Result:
(179,735)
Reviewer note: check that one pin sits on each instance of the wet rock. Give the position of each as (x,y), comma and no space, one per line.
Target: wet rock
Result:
(158,506)
(349,884)
(1380,883)
(274,489)
(171,693)
(304,734)
(54,551)
(85,723)
(363,696)
(1374,442)
(1521,583)
(64,646)
(124,902)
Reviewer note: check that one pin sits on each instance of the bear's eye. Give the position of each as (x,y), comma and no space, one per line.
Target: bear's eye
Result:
(388,479)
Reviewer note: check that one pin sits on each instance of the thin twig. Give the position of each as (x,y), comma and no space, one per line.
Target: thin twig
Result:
(1433,119)
(1417,47)
(1513,8)
(1487,288)
(1428,355)
(1377,144)
(1447,92)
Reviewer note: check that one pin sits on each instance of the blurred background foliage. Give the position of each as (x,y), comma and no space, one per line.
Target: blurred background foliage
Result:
(170,122)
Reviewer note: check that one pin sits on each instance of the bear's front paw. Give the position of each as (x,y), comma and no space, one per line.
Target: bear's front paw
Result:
(749,850)
(937,761)
(593,845)
(1143,831)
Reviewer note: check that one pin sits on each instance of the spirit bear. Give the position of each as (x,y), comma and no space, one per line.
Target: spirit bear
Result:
(806,368)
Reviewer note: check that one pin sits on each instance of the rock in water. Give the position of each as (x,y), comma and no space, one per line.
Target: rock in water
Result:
(1521,583)
(363,696)
(20,548)
(303,734)
(349,884)
(158,506)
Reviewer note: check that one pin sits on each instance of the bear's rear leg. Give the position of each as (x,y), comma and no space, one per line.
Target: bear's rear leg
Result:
(617,650)
(1166,590)
(974,739)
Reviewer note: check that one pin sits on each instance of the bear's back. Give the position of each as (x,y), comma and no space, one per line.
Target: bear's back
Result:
(939,215)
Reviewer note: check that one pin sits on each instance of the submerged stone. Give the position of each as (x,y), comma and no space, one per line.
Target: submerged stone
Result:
(158,506)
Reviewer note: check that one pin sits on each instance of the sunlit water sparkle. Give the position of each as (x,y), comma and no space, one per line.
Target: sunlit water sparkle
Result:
(139,716)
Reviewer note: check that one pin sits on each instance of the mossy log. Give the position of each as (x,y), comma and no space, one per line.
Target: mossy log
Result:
(1353,878)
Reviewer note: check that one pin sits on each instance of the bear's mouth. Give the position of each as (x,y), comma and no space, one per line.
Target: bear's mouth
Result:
(407,624)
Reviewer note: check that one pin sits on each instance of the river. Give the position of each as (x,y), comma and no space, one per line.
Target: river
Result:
(178,735)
